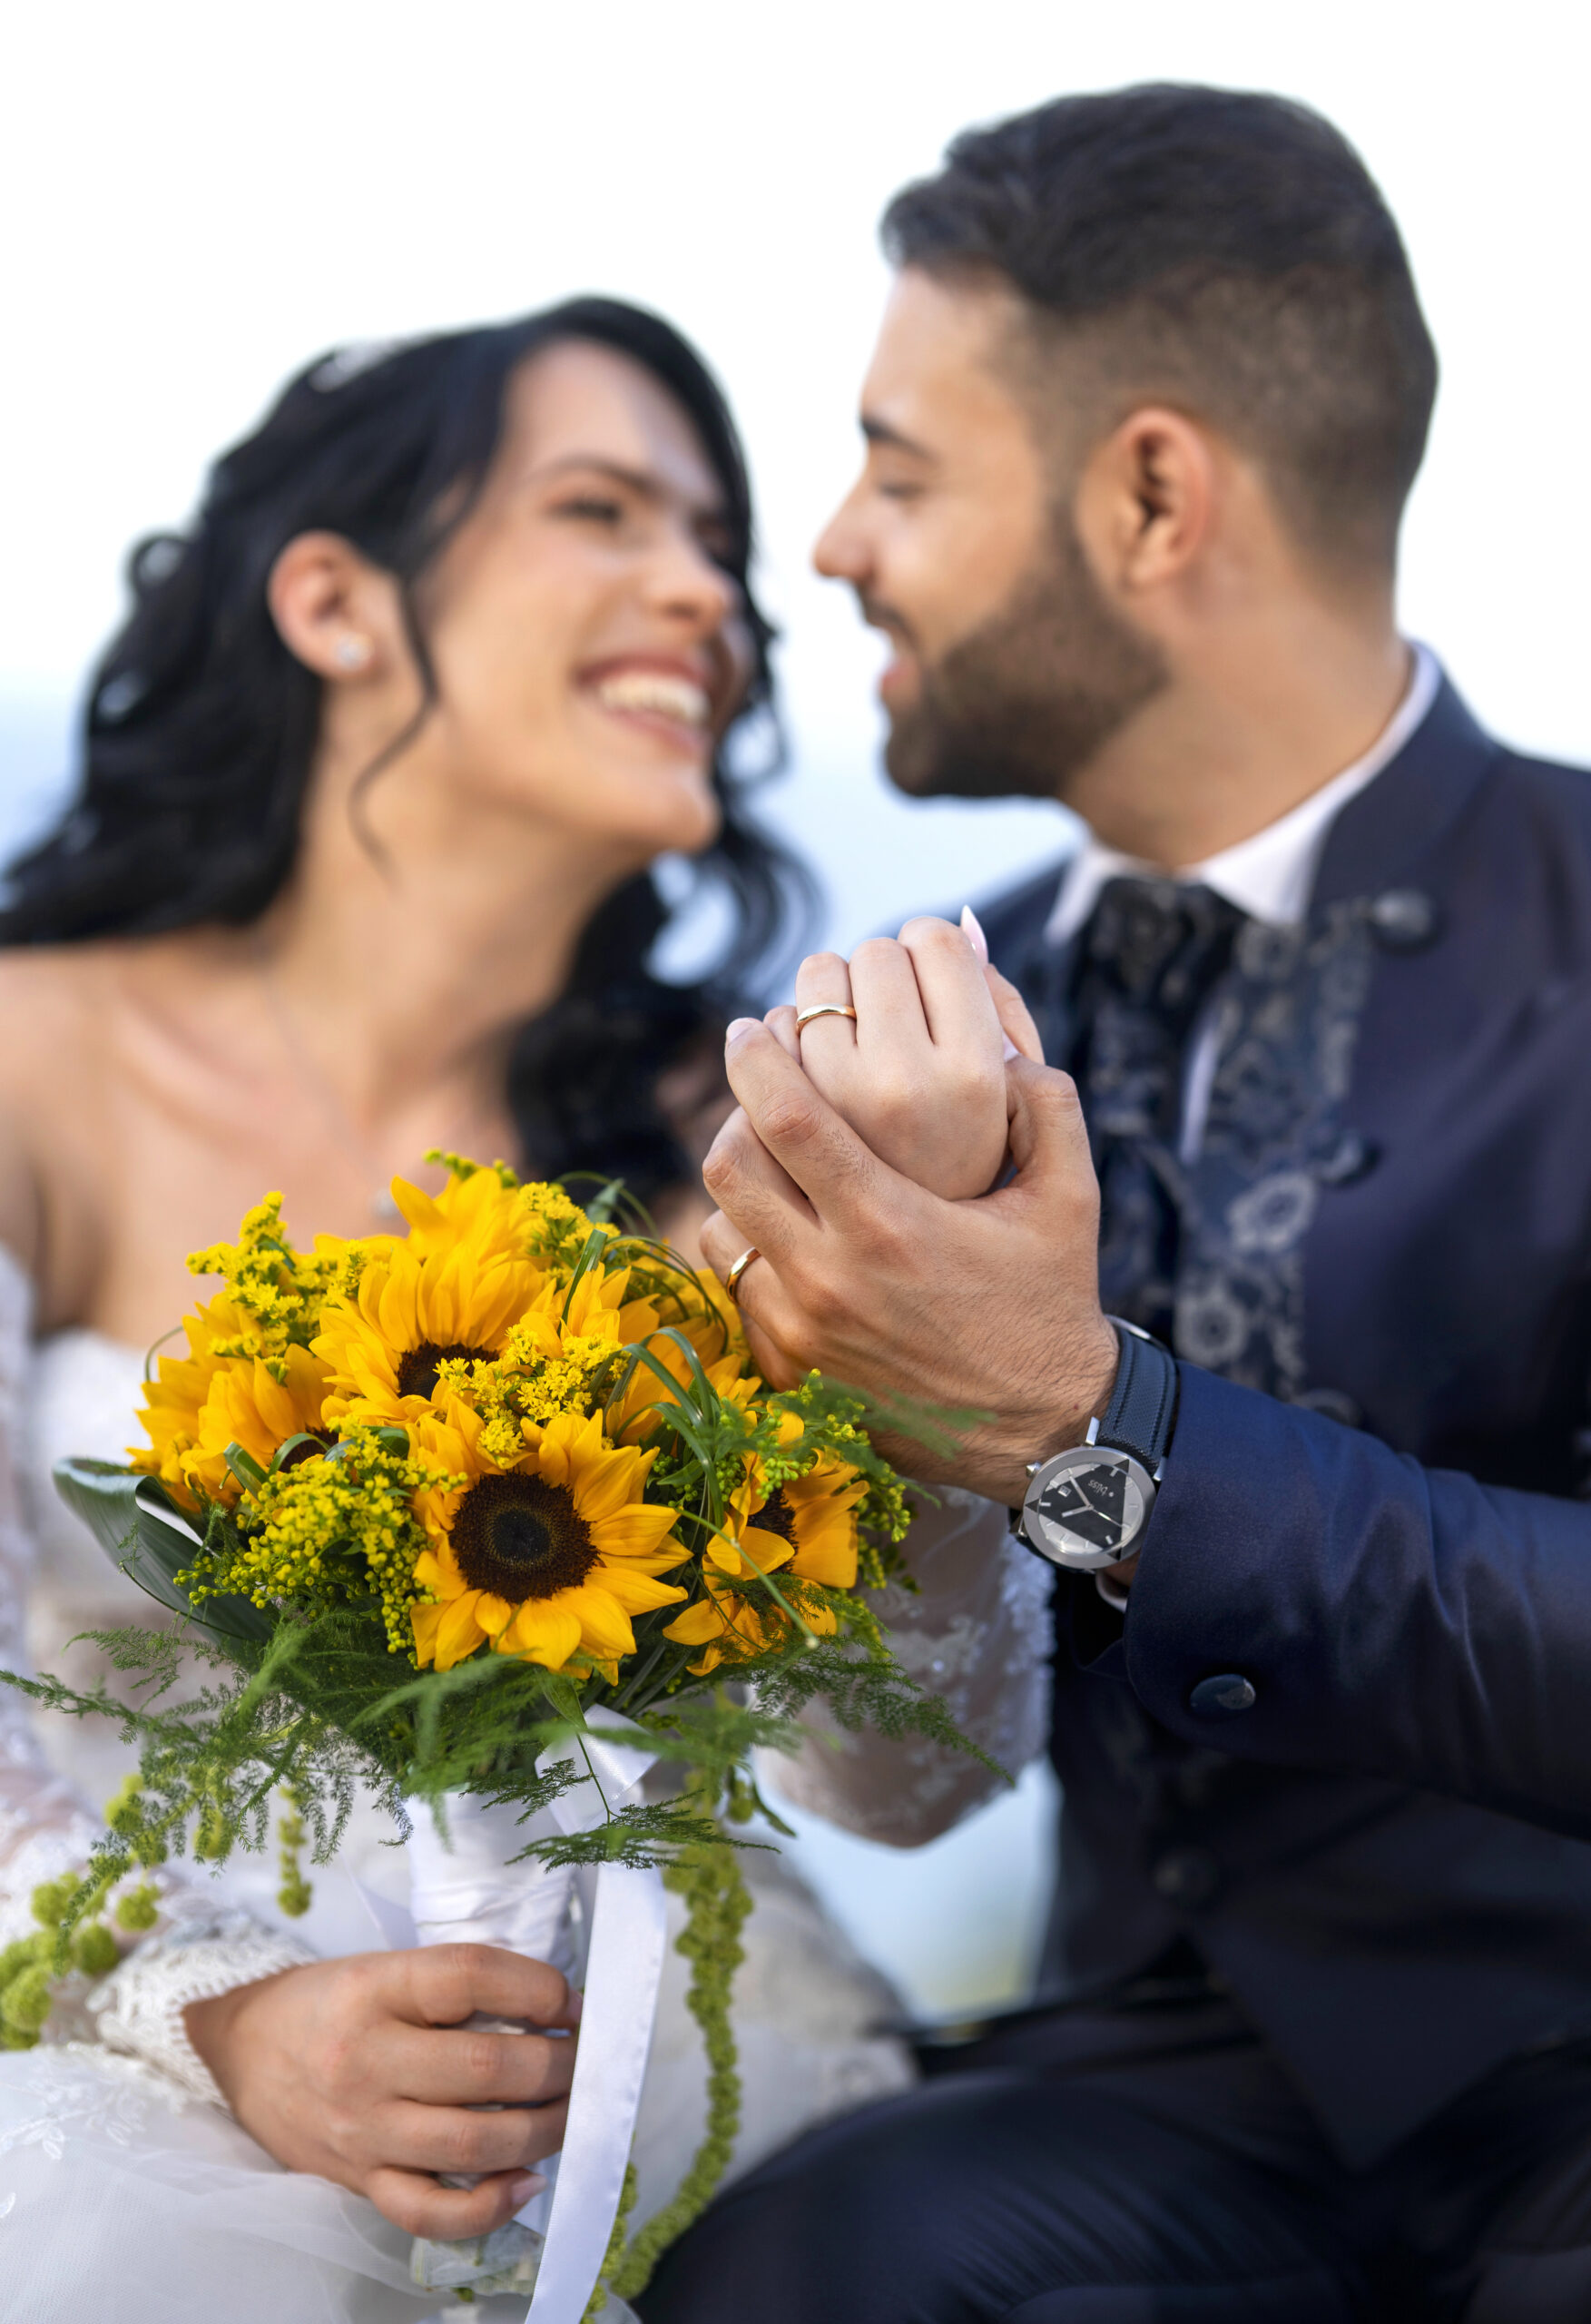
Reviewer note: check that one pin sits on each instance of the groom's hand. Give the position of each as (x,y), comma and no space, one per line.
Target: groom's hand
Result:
(989,1305)
(365,2072)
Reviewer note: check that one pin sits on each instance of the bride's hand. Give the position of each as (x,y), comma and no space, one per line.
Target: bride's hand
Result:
(363,2071)
(921,1075)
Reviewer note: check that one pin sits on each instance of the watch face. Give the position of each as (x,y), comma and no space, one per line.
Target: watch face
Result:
(1087,1507)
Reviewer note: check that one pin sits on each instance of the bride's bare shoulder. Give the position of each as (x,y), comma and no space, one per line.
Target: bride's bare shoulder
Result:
(55,1018)
(53,1015)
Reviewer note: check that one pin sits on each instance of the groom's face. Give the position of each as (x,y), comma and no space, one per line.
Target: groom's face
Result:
(1010,667)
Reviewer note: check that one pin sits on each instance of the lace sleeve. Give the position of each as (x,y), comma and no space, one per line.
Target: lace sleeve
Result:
(200,1946)
(977,1632)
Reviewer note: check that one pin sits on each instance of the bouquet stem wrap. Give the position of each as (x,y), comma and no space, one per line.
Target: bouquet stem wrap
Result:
(464,1890)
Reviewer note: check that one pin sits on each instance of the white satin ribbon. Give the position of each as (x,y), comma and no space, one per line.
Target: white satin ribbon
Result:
(623,1968)
(461,1893)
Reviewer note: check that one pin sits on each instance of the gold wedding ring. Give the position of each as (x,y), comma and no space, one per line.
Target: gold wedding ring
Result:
(732,1282)
(826,1009)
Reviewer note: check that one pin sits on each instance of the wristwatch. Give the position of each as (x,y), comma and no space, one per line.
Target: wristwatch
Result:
(1087,1508)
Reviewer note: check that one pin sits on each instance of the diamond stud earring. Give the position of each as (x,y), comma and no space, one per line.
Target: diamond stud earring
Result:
(352,652)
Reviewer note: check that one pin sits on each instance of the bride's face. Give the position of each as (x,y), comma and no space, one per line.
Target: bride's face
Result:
(589,648)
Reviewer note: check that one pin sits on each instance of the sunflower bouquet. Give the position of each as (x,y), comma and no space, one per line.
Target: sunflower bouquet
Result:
(487,1518)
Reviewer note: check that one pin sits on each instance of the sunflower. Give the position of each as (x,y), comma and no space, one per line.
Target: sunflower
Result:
(422,1302)
(807,1526)
(202,1402)
(489,1209)
(248,1405)
(548,1559)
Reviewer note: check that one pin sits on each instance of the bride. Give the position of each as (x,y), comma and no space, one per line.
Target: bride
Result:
(460,642)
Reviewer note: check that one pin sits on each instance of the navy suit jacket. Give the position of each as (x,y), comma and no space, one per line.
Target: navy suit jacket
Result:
(1388,1857)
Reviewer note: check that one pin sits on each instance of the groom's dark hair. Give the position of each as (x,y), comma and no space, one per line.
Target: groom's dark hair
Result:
(1223,251)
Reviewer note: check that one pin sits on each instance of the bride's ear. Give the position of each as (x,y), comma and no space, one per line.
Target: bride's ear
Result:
(335,611)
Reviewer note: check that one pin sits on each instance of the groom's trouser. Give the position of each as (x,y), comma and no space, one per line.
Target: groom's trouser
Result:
(1152,2165)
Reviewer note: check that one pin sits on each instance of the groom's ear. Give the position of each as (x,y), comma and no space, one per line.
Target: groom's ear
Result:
(1147,502)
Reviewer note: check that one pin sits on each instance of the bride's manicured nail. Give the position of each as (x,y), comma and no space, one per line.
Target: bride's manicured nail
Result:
(972,928)
(741,1025)
(577,2001)
(527,2183)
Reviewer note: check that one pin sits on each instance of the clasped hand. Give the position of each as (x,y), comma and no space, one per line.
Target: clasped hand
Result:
(863,1164)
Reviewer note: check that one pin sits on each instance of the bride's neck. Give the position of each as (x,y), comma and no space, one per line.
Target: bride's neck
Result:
(414,939)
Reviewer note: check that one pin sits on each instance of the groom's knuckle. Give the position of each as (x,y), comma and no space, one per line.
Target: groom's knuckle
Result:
(725,1166)
(720,1170)
(887,1242)
(824,1300)
(789,1120)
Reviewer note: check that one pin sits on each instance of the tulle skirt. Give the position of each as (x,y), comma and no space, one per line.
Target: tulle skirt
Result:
(121,2196)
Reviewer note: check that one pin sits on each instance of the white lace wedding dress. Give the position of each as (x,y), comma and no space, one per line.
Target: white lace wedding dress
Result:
(125,2184)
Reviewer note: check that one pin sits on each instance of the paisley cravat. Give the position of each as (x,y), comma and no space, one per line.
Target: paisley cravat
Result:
(1146,963)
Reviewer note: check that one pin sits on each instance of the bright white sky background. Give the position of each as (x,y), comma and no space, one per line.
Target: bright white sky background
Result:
(197,197)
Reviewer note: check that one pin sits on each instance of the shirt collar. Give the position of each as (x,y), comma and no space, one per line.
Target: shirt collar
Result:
(1269,875)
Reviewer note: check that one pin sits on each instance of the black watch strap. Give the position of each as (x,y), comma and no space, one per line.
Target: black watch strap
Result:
(1142,1411)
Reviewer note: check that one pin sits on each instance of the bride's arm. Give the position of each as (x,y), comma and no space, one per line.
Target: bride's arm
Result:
(198,1946)
(977,1633)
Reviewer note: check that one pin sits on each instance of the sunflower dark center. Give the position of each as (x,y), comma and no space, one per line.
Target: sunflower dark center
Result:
(520,1537)
(316,1442)
(777,1516)
(417,1368)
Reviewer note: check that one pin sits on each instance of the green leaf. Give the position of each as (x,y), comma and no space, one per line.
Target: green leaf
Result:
(284,1454)
(142,1531)
(244,1467)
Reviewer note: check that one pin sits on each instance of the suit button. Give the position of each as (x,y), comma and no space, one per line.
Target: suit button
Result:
(1220,1697)
(1186,1875)
(1404,920)
(1352,1157)
(1332,1404)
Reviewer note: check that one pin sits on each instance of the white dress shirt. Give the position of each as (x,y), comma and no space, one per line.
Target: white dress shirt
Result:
(1268,877)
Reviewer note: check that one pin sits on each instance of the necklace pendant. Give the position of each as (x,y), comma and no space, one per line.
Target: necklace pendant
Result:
(383,1209)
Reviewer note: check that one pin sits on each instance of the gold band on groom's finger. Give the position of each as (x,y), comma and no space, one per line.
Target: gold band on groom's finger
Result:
(826,1009)
(732,1282)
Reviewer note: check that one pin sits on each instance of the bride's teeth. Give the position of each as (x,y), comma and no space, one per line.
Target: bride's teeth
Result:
(651,690)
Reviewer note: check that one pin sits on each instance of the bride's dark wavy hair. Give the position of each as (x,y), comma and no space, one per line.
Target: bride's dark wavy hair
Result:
(202,726)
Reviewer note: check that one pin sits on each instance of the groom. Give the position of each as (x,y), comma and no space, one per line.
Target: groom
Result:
(1316,2034)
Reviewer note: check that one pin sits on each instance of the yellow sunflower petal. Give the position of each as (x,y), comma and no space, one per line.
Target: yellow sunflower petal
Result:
(543,1630)
(697,1624)
(766,1551)
(493,1613)
(458,1633)
(638,1531)
(436,1570)
(426,1620)
(604,1626)
(637,1593)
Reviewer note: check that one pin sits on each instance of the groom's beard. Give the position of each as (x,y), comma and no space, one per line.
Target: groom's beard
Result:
(1021,706)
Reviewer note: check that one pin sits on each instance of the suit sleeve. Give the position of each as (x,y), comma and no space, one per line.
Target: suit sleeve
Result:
(1391,1620)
